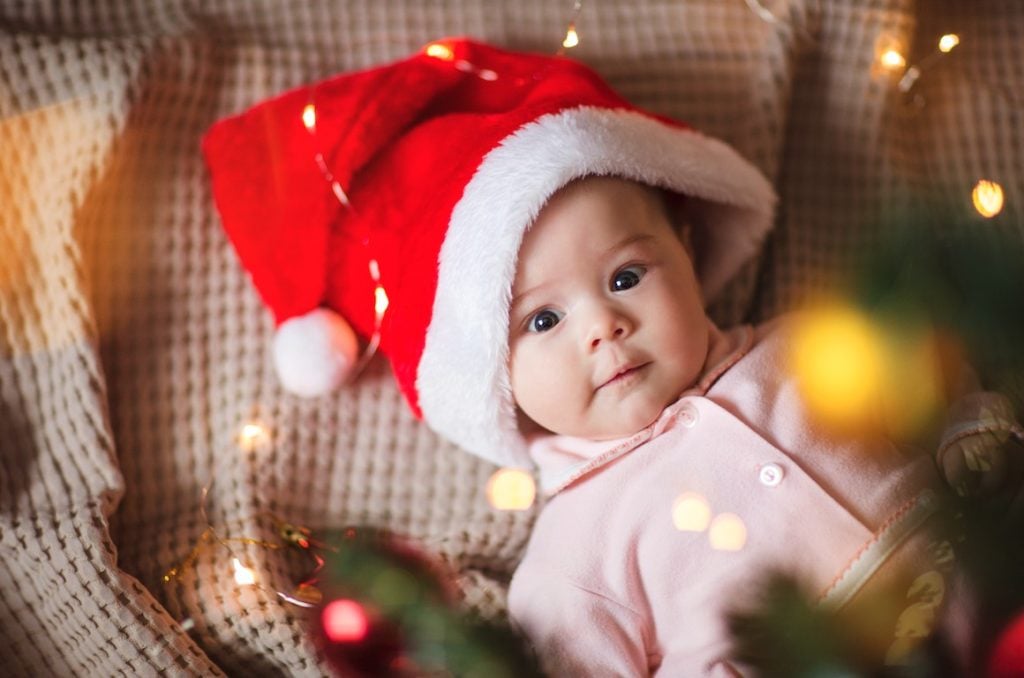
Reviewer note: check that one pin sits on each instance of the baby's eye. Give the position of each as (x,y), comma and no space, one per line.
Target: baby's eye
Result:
(542,321)
(627,277)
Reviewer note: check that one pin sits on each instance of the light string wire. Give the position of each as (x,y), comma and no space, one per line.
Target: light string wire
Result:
(210,535)
(572,37)
(381,300)
(987,196)
(290,535)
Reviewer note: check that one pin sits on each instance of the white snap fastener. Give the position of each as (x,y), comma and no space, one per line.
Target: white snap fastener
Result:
(688,416)
(771,475)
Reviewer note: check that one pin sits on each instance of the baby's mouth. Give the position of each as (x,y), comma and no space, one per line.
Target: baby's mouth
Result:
(623,373)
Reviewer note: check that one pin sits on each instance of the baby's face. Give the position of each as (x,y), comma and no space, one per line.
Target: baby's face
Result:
(606,326)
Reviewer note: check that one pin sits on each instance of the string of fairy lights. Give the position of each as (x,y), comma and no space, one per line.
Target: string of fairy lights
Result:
(511,489)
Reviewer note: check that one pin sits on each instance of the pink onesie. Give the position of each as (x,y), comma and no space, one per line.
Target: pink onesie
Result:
(610,586)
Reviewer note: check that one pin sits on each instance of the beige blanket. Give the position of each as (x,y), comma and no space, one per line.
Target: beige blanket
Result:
(133,348)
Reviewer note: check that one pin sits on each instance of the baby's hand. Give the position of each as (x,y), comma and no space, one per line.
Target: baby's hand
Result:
(974,456)
(975,464)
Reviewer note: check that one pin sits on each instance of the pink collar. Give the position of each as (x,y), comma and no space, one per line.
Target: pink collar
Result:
(563,460)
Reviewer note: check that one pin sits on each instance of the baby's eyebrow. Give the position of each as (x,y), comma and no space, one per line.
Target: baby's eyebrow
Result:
(522,295)
(630,240)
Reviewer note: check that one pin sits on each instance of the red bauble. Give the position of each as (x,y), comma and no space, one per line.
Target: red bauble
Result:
(1007,658)
(356,641)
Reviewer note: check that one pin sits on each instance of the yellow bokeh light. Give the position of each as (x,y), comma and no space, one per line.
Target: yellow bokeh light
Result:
(244,576)
(948,42)
(440,51)
(691,512)
(892,60)
(727,532)
(889,52)
(511,489)
(838,360)
(252,434)
(572,38)
(987,197)
(913,391)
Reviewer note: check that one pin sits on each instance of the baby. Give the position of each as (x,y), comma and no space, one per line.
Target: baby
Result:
(488,218)
(681,459)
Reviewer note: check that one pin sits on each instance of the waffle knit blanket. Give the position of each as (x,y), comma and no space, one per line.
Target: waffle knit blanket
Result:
(133,347)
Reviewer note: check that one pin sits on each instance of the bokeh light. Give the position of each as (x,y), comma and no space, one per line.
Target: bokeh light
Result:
(890,51)
(440,51)
(511,489)
(948,42)
(380,300)
(244,576)
(838,361)
(727,532)
(344,621)
(572,38)
(987,197)
(892,60)
(691,512)
(912,392)
(860,374)
(251,435)
(309,116)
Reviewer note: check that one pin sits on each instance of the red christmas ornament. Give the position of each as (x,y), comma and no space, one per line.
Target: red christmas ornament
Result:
(1007,658)
(357,641)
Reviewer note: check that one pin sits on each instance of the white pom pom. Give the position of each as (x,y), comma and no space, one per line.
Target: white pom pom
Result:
(314,353)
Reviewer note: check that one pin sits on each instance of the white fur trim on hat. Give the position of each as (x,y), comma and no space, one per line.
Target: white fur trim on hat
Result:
(463,381)
(314,353)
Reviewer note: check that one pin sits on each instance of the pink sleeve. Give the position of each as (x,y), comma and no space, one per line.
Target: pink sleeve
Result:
(577,632)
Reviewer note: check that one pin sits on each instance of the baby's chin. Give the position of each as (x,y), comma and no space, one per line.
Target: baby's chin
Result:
(623,425)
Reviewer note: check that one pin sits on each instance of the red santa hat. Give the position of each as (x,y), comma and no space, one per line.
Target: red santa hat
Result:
(433,168)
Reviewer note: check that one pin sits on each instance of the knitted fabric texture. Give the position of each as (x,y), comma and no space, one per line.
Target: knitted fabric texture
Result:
(133,347)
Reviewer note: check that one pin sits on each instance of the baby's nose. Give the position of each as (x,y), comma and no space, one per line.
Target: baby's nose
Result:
(607,325)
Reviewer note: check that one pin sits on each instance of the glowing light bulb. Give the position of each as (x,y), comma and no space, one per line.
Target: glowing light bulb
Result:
(948,42)
(309,117)
(380,300)
(344,621)
(987,197)
(572,38)
(892,60)
(440,51)
(727,532)
(244,576)
(691,512)
(252,434)
(511,489)
(837,357)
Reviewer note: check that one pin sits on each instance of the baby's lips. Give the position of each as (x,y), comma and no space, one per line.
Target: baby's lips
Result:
(626,367)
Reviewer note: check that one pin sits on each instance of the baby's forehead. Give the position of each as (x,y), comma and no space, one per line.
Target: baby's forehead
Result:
(616,187)
(597,208)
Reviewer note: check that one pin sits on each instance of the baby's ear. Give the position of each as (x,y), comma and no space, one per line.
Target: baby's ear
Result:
(675,205)
(685,233)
